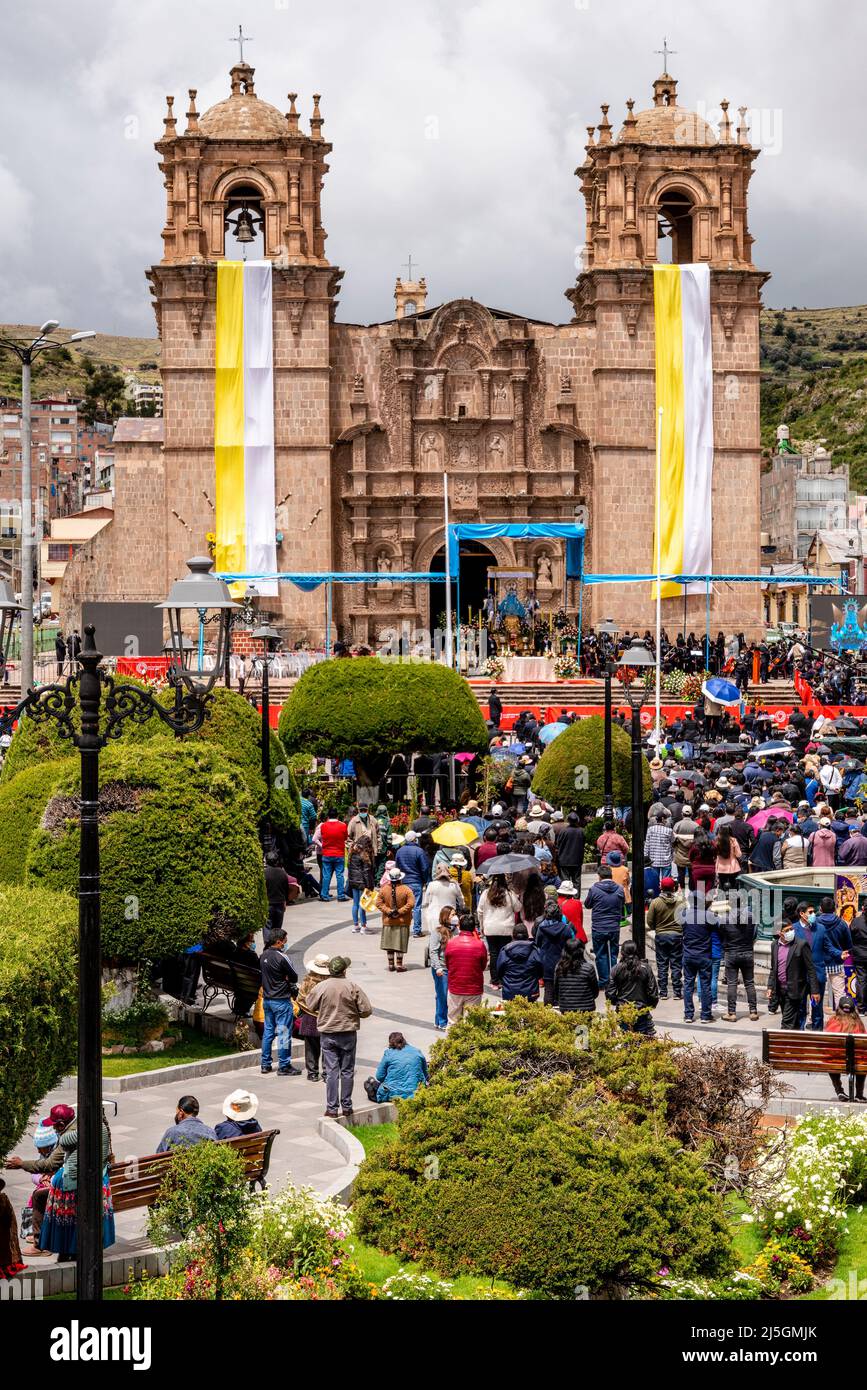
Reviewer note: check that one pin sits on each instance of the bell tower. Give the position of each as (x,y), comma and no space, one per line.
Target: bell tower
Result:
(244,179)
(669,188)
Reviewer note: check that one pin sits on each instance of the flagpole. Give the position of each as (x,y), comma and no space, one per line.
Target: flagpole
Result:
(658,500)
(449,647)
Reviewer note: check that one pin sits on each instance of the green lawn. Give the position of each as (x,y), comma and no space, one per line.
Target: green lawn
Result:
(851,1266)
(373,1136)
(194,1047)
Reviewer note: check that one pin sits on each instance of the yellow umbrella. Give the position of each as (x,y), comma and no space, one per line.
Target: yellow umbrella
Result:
(455,832)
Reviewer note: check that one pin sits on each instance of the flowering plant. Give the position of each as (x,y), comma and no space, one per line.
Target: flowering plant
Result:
(566,668)
(494,667)
(406,1285)
(826,1167)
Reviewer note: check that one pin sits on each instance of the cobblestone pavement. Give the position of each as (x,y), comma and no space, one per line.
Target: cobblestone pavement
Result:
(294,1105)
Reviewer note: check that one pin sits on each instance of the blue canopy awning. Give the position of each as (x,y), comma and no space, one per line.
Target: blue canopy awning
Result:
(518,530)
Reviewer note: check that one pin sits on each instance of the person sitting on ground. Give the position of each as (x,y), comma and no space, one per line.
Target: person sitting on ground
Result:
(845,1020)
(239,1108)
(576,984)
(633,982)
(402,1069)
(187,1129)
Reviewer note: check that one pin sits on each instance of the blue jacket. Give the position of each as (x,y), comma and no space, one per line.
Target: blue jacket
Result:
(830,939)
(519,967)
(811,789)
(607,902)
(400,1073)
(699,928)
(762,853)
(549,938)
(414,863)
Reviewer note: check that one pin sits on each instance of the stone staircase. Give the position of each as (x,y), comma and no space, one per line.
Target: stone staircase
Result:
(592,692)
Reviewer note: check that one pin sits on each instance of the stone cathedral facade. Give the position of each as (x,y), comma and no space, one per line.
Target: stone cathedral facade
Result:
(529,419)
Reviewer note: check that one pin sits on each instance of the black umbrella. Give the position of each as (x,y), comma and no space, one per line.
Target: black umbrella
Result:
(847,725)
(509,864)
(725,748)
(695,777)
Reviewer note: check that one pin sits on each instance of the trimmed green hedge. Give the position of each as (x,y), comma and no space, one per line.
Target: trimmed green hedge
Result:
(39,742)
(583,745)
(22,802)
(180,856)
(235,727)
(38,1001)
(232,725)
(549,1164)
(366,709)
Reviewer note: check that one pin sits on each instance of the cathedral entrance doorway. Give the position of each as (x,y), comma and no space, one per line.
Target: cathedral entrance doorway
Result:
(476,560)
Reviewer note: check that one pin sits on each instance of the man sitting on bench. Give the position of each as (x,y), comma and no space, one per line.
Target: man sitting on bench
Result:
(187,1128)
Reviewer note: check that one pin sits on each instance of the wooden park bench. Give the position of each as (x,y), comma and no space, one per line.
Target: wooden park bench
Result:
(233,979)
(135,1182)
(843,1053)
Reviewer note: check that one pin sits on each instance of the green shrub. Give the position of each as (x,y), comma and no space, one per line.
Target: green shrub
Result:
(582,745)
(40,741)
(232,725)
(22,803)
(180,856)
(533,1159)
(204,1198)
(235,727)
(141,1020)
(368,709)
(38,1001)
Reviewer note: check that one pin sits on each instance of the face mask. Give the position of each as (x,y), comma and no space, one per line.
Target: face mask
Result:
(811,917)
(788,935)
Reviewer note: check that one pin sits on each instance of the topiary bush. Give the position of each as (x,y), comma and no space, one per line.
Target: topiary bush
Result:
(35,742)
(180,856)
(582,745)
(368,709)
(233,725)
(22,803)
(534,1158)
(38,1004)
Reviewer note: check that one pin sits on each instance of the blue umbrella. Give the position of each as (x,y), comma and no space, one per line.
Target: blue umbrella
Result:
(723,691)
(774,745)
(512,752)
(549,732)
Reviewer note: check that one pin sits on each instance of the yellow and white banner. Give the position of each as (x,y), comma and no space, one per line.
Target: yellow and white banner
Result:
(246,541)
(684,392)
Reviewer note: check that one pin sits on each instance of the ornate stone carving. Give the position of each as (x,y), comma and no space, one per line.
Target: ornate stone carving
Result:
(464,492)
(463,452)
(496,451)
(430,449)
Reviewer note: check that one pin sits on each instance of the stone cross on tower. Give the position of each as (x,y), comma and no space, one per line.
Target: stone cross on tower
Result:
(240,41)
(665,51)
(408,264)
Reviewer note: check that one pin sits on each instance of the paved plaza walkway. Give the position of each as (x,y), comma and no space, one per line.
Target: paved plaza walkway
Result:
(295,1105)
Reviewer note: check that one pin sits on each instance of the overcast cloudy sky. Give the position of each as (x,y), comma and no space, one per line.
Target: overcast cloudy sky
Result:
(456,129)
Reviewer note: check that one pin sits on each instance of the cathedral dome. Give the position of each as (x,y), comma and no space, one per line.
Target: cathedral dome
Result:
(243,115)
(666,123)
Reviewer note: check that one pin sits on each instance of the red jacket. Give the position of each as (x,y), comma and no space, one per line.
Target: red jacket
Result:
(333,835)
(466,958)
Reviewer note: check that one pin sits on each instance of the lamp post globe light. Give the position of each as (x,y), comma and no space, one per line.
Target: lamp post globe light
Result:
(635,661)
(609,629)
(105,706)
(26,352)
(270,639)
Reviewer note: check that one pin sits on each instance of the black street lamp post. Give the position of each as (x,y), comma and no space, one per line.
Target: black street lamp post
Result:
(96,693)
(637,659)
(269,637)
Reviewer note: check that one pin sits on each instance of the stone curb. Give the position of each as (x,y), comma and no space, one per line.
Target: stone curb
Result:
(336,1133)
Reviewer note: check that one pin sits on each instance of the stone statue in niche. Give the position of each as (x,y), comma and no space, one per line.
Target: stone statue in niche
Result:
(496,451)
(430,451)
(383,562)
(544,572)
(501,395)
(464,458)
